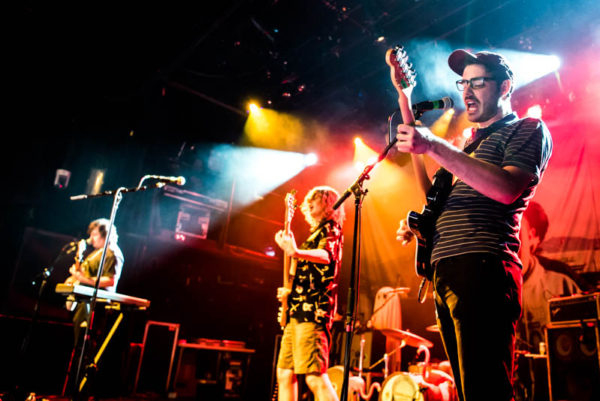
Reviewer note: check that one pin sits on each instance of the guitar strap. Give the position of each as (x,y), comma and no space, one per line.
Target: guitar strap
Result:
(480,134)
(317,230)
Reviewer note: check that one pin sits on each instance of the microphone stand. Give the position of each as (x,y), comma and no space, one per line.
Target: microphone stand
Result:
(118,196)
(359,194)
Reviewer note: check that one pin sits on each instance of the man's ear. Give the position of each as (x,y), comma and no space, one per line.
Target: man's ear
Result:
(505,88)
(533,233)
(534,239)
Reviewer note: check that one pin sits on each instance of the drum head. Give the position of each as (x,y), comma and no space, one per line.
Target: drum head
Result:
(401,386)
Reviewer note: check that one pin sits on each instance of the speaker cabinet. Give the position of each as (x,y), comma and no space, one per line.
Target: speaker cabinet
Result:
(574,361)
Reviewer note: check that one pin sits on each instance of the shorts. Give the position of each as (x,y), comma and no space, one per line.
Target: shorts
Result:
(304,348)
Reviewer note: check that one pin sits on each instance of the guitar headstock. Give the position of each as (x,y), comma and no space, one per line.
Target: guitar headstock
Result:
(81,247)
(402,72)
(290,207)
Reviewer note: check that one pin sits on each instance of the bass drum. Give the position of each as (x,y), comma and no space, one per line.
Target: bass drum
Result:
(412,387)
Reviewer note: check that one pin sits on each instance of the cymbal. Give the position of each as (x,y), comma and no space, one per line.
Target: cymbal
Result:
(434,328)
(409,338)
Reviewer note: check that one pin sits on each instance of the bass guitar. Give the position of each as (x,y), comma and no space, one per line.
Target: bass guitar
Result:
(289,263)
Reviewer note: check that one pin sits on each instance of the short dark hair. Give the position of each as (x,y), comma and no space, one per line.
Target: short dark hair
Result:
(102,224)
(537,218)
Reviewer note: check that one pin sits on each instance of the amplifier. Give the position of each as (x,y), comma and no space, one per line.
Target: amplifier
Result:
(573,361)
(574,308)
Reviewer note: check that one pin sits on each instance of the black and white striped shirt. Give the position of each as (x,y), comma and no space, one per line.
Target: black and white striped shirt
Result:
(473,223)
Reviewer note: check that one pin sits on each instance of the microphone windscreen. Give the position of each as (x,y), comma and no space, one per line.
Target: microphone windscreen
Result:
(448,102)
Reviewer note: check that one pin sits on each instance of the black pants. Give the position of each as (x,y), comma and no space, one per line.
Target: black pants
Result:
(478,303)
(82,314)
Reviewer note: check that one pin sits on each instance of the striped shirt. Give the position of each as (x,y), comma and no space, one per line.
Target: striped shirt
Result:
(473,223)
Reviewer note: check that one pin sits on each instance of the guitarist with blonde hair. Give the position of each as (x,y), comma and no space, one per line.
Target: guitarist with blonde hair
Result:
(476,271)
(311,297)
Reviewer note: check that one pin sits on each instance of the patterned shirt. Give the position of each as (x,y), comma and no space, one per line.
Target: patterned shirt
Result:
(314,288)
(471,222)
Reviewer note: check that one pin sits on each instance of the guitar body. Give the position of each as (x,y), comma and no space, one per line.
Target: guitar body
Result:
(423,224)
(420,224)
(70,303)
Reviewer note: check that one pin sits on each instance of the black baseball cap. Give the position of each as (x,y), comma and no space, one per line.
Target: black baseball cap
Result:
(494,62)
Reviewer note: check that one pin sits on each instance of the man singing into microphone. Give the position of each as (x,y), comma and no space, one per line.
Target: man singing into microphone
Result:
(86,271)
(477,280)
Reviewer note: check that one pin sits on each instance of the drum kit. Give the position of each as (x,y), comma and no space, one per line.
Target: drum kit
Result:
(424,381)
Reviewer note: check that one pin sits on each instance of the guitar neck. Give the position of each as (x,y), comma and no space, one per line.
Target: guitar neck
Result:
(405,109)
(287,264)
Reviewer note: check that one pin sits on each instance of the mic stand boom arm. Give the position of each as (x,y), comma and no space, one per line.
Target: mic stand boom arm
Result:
(353,287)
(121,190)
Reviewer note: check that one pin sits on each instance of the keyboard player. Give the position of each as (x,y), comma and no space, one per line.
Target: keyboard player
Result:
(84,272)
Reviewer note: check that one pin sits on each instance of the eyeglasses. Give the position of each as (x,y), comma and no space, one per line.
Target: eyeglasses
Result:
(476,83)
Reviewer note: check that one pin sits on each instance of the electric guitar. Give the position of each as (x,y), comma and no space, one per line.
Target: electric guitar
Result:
(421,224)
(71,280)
(289,264)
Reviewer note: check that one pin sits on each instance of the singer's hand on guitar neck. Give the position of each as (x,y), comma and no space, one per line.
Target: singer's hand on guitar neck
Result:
(404,233)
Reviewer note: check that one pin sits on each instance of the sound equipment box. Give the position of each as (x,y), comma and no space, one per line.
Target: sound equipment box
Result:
(574,308)
(574,361)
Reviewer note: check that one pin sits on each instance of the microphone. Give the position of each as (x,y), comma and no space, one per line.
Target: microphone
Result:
(444,103)
(173,180)
(74,245)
